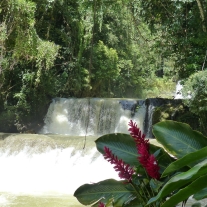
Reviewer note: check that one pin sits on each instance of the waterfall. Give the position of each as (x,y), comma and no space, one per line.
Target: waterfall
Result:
(45,170)
(95,116)
(47,166)
(178,93)
(41,164)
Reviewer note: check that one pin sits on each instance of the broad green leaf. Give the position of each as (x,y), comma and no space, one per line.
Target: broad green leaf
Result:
(118,191)
(178,138)
(187,160)
(121,145)
(186,192)
(180,180)
(124,147)
(201,194)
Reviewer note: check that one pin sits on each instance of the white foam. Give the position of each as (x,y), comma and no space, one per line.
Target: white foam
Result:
(56,171)
(178,93)
(78,117)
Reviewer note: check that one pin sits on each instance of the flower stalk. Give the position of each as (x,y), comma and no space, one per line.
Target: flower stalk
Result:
(124,170)
(147,160)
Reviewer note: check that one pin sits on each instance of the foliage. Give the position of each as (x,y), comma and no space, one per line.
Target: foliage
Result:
(182,29)
(105,68)
(152,86)
(25,62)
(77,48)
(195,93)
(182,175)
(189,147)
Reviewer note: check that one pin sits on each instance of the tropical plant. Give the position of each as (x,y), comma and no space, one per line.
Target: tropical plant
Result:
(195,94)
(153,175)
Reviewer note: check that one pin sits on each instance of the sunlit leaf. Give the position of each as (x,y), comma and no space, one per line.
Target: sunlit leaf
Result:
(110,189)
(187,160)
(178,138)
(122,145)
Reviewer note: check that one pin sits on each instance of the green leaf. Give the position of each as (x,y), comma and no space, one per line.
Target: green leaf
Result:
(201,194)
(134,203)
(121,145)
(178,138)
(187,160)
(186,192)
(155,185)
(181,180)
(124,147)
(118,191)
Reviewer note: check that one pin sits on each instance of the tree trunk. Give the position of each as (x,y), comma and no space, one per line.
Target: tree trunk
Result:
(202,15)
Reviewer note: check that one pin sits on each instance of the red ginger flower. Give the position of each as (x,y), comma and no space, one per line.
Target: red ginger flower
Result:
(147,160)
(101,204)
(144,154)
(125,171)
(152,167)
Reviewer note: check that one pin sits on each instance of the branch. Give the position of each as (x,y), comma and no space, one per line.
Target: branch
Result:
(202,15)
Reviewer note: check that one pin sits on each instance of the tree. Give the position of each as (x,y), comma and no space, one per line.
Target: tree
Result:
(182,26)
(56,48)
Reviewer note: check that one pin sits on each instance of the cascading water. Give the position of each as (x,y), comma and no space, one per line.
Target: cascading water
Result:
(45,169)
(48,167)
(92,116)
(178,93)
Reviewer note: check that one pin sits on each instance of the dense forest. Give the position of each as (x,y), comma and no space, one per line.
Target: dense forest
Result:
(99,48)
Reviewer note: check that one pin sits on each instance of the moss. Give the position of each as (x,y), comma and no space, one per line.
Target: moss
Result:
(157,114)
(176,112)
